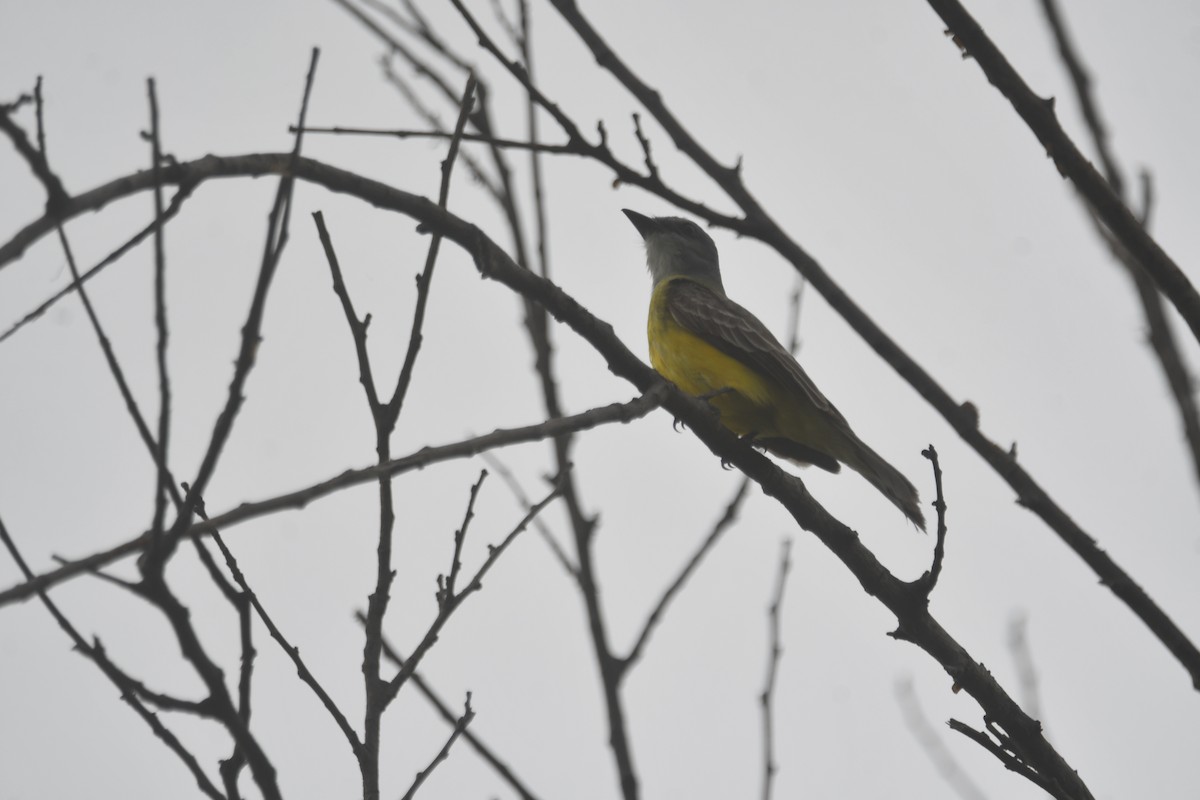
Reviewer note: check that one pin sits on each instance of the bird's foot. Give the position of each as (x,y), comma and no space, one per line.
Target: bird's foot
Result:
(745,438)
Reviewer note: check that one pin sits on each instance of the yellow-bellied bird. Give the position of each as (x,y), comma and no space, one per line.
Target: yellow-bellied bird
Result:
(709,346)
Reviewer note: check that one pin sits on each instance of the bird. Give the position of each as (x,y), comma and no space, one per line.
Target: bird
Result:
(711,347)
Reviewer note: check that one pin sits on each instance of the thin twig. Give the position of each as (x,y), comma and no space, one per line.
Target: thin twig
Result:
(452,603)
(1162,337)
(460,728)
(234,716)
(292,652)
(485,752)
(460,536)
(423,280)
(794,319)
(1083,93)
(132,587)
(384,416)
(583,524)
(276,239)
(35,157)
(478,173)
(480,117)
(183,193)
(358,328)
(127,686)
(155,591)
(510,30)
(231,768)
(1039,115)
(929,580)
(774,656)
(566,149)
(110,356)
(1010,760)
(728,517)
(501,437)
(114,367)
(541,231)
(647,152)
(500,468)
(395,45)
(161,492)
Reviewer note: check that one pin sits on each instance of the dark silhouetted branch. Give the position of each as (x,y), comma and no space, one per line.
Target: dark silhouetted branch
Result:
(460,727)
(131,691)
(502,437)
(485,752)
(730,515)
(1039,115)
(774,656)
(1162,338)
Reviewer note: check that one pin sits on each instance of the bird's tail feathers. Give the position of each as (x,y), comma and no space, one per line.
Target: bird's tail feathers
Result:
(887,479)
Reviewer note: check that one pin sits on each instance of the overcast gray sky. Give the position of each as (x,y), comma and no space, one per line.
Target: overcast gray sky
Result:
(871,141)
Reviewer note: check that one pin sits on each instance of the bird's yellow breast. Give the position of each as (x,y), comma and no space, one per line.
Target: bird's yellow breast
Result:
(698,368)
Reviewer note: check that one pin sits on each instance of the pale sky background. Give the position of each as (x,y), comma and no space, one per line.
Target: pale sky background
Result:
(885,154)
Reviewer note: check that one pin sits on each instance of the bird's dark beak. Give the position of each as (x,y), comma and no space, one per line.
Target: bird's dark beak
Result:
(644,224)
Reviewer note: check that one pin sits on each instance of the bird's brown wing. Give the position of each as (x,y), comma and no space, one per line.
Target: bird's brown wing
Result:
(736,332)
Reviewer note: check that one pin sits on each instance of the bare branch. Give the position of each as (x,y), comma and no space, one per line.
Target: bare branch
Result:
(35,157)
(358,328)
(292,652)
(452,603)
(794,319)
(961,415)
(929,580)
(183,193)
(384,415)
(423,280)
(434,121)
(514,486)
(131,690)
(774,656)
(162,489)
(537,183)
(730,515)
(486,753)
(276,239)
(647,155)
(615,412)
(114,368)
(1010,760)
(490,260)
(916,623)
(460,728)
(1039,115)
(1162,338)
(582,524)
(460,536)
(1083,93)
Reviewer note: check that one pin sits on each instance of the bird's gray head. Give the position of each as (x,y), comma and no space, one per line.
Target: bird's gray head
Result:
(678,246)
